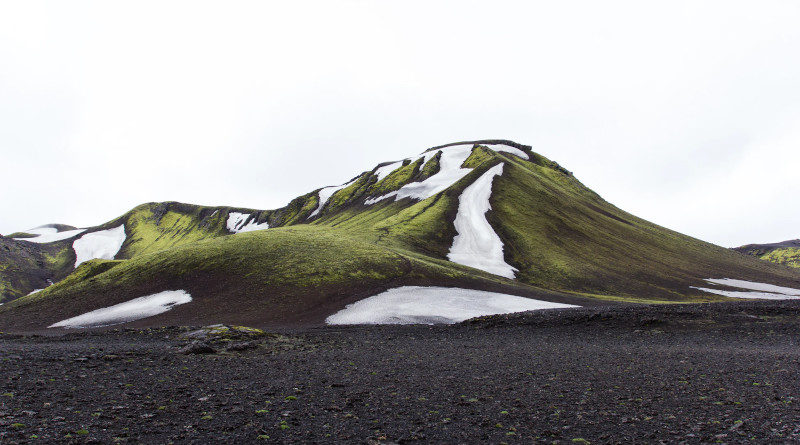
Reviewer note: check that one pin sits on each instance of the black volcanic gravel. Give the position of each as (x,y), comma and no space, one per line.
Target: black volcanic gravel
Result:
(694,373)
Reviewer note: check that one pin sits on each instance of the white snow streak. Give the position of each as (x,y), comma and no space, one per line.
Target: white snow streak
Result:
(386,170)
(756,290)
(237,223)
(103,244)
(449,173)
(509,149)
(326,193)
(752,285)
(476,244)
(415,304)
(135,309)
(50,234)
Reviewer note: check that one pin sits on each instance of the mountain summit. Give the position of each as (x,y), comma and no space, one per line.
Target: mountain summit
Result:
(490,217)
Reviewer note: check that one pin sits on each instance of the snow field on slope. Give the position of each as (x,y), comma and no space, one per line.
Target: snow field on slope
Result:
(429,305)
(237,223)
(325,194)
(752,285)
(476,244)
(104,244)
(761,291)
(509,149)
(50,234)
(135,309)
(449,173)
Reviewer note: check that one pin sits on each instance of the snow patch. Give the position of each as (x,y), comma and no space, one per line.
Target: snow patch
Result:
(135,309)
(752,285)
(326,193)
(386,170)
(449,173)
(748,294)
(476,244)
(509,149)
(755,290)
(429,305)
(237,223)
(50,234)
(104,244)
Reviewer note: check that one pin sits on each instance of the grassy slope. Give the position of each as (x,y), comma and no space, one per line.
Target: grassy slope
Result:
(563,236)
(149,228)
(280,276)
(26,266)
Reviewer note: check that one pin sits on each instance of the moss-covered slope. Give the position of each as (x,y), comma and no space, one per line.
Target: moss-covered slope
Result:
(786,252)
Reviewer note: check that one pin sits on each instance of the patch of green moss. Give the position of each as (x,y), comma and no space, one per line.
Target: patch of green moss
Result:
(478,156)
(789,256)
(155,227)
(397,178)
(22,235)
(430,168)
(348,194)
(296,211)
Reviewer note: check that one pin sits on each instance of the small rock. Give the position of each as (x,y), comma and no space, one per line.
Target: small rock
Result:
(197,347)
(242,346)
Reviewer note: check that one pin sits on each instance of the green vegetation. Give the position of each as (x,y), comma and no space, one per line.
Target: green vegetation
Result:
(27,266)
(789,256)
(430,168)
(786,253)
(397,178)
(22,235)
(154,227)
(348,194)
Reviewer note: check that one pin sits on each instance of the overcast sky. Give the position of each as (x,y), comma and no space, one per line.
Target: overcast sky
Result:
(684,113)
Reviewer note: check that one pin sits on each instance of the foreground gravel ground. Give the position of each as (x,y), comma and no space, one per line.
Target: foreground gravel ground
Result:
(695,373)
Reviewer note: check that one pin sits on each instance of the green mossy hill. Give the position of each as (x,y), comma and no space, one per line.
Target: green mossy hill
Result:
(786,253)
(149,228)
(157,226)
(290,275)
(559,234)
(25,266)
(154,226)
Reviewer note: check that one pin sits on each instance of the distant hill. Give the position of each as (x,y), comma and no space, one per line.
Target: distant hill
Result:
(786,252)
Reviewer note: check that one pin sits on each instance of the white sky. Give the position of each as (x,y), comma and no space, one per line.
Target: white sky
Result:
(683,113)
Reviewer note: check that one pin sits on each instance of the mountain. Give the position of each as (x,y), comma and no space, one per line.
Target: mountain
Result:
(786,252)
(488,216)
